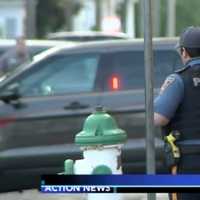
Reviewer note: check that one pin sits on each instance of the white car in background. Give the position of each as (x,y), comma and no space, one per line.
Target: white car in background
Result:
(86,36)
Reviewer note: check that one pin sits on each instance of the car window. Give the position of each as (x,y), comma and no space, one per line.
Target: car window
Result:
(165,64)
(33,50)
(2,51)
(128,69)
(60,75)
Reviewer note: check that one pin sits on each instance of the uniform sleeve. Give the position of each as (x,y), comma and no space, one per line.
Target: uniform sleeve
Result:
(171,95)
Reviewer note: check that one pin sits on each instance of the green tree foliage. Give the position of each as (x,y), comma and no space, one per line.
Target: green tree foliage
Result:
(55,15)
(50,17)
(187,14)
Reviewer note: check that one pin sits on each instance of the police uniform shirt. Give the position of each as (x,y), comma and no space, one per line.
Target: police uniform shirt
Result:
(171,93)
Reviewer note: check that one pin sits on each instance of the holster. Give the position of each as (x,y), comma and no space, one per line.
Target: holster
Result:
(171,150)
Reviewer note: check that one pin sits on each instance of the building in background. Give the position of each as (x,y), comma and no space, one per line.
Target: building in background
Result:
(85,19)
(18,17)
(12,18)
(102,15)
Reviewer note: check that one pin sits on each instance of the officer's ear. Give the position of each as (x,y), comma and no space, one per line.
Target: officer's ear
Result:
(184,53)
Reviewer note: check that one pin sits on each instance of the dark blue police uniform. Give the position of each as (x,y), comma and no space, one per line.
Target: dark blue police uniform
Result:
(179,101)
(172,92)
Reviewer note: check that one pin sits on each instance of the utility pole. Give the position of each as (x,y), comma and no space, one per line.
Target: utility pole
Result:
(171,18)
(130,17)
(108,7)
(141,5)
(148,57)
(112,6)
(98,14)
(30,19)
(69,5)
(156,18)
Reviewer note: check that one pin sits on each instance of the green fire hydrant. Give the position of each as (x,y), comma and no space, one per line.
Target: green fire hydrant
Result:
(101,141)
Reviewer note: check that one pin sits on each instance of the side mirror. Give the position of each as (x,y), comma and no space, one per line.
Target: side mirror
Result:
(10,94)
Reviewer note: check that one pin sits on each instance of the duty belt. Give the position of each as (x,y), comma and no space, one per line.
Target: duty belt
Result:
(189,146)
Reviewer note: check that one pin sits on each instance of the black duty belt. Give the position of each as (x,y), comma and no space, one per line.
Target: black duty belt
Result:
(189,146)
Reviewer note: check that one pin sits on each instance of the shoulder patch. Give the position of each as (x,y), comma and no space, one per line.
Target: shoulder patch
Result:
(167,83)
(196,81)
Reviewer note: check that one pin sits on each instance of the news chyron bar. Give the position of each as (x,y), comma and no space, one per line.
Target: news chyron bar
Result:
(119,183)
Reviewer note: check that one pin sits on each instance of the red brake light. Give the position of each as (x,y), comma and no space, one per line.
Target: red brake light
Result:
(115,83)
(6,121)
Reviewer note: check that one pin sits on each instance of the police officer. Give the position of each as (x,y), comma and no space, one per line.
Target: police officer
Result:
(177,107)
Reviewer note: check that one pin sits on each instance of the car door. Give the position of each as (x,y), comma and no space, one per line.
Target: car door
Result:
(124,98)
(38,130)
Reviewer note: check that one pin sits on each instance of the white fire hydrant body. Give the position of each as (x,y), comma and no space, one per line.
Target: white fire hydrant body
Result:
(101,142)
(109,156)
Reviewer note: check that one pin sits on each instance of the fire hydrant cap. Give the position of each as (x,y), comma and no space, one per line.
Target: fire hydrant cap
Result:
(100,129)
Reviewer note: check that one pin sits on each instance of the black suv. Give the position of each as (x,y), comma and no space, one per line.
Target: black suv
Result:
(45,103)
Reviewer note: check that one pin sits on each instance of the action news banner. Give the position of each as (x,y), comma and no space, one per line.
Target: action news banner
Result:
(119,183)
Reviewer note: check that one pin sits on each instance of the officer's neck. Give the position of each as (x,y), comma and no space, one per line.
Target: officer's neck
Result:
(186,60)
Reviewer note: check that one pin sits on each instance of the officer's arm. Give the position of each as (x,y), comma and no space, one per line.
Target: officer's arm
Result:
(167,102)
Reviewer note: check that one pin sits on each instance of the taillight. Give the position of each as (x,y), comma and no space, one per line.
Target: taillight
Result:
(6,121)
(114,83)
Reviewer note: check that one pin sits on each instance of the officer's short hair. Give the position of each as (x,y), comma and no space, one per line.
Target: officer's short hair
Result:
(193,52)
(190,40)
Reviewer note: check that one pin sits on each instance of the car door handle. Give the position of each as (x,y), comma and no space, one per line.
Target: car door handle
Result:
(75,105)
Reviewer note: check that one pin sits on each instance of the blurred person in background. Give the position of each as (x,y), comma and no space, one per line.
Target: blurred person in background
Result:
(15,56)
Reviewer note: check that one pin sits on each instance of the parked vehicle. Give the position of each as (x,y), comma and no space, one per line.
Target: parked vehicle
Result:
(86,36)
(45,103)
(34,46)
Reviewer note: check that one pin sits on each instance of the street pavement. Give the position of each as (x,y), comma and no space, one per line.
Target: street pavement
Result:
(35,195)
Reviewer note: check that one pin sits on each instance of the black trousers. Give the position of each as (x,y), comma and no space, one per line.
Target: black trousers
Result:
(189,164)
(186,196)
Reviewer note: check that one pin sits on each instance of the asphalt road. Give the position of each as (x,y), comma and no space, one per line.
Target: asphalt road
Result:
(35,195)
